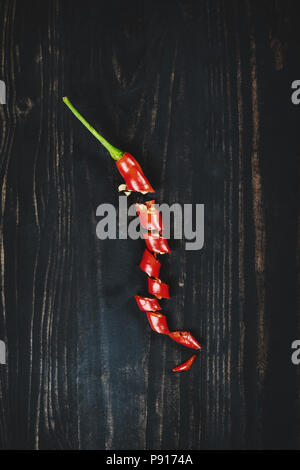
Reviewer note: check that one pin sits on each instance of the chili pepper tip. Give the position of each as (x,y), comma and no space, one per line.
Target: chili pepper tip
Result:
(185,365)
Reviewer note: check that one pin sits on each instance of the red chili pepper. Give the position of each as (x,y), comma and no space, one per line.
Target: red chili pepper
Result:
(185,365)
(147,304)
(127,165)
(158,322)
(185,338)
(133,175)
(150,217)
(158,288)
(149,264)
(156,243)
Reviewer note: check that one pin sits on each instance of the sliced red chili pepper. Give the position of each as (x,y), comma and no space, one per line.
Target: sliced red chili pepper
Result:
(136,181)
(158,322)
(149,264)
(156,243)
(133,175)
(158,288)
(185,338)
(147,304)
(150,217)
(185,365)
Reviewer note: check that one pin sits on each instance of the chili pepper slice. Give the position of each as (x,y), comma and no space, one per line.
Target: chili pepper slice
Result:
(149,264)
(185,338)
(158,322)
(133,175)
(156,243)
(185,365)
(150,217)
(147,304)
(127,165)
(158,288)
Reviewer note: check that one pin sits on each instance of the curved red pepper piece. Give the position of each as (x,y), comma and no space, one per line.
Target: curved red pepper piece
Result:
(185,365)
(147,304)
(156,243)
(158,322)
(158,288)
(133,174)
(149,264)
(150,217)
(186,339)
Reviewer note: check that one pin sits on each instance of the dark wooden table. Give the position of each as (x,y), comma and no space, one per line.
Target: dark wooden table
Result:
(200,92)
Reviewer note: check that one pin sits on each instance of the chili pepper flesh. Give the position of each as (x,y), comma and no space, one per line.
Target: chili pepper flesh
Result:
(185,365)
(133,175)
(149,264)
(185,338)
(150,217)
(158,288)
(147,304)
(158,322)
(156,243)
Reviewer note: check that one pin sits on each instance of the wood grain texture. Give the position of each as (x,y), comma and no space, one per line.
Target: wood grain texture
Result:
(199,92)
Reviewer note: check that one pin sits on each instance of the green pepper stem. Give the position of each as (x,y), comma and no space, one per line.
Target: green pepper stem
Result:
(115,153)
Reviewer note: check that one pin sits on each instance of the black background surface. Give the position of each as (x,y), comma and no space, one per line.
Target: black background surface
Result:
(200,93)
